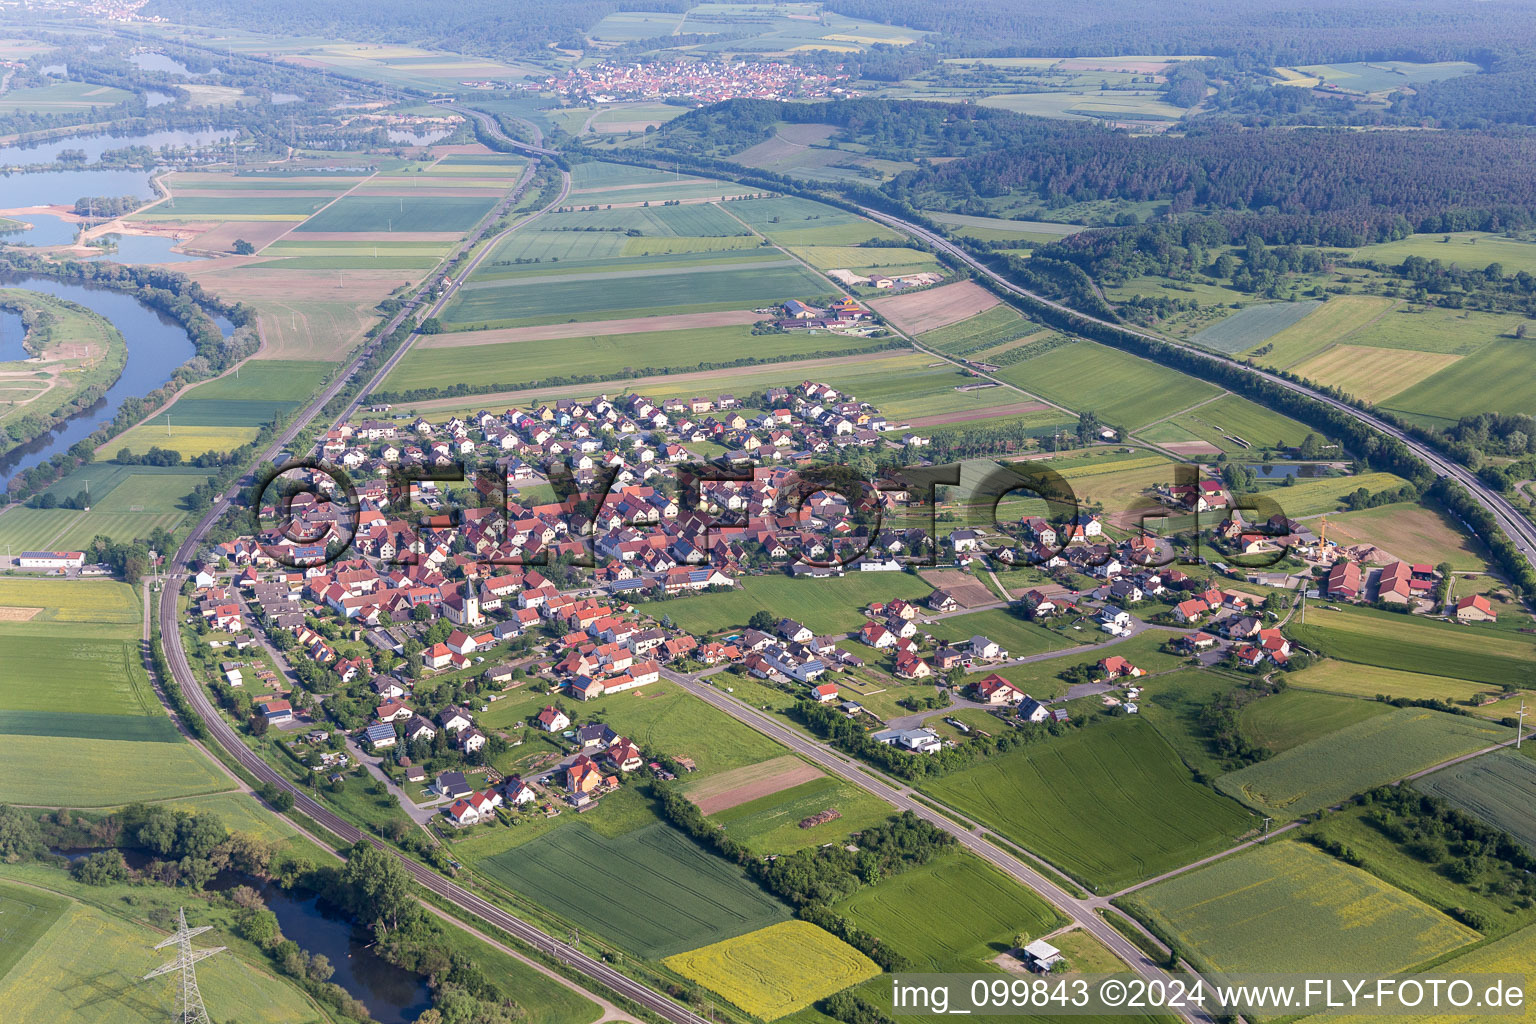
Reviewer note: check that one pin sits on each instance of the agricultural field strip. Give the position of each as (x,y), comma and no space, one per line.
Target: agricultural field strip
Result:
(539,280)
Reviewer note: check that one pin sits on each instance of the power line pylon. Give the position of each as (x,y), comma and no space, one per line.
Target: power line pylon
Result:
(189,1001)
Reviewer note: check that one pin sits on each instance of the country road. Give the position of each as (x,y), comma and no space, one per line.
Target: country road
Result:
(1082,912)
(1521,531)
(221,731)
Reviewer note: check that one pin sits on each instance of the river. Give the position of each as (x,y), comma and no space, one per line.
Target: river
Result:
(156,346)
(392,995)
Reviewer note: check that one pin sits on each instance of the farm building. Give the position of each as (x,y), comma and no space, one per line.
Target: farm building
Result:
(51,559)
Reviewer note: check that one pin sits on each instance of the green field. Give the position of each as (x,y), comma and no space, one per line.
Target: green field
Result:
(789,220)
(84,966)
(1121,388)
(524,363)
(389,213)
(1492,379)
(1289,907)
(999,324)
(71,609)
(1229,420)
(770,824)
(663,192)
(25,917)
(1253,326)
(1370,753)
(730,283)
(776,970)
(1110,804)
(653,892)
(1324,494)
(1347,678)
(1294,717)
(263,388)
(85,772)
(1386,75)
(1335,319)
(1469,250)
(1417,645)
(61,98)
(239,207)
(1496,788)
(825,605)
(975,910)
(94,677)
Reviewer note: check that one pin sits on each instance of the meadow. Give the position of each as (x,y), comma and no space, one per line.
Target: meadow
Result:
(1235,416)
(87,969)
(1287,906)
(1109,804)
(1409,644)
(1469,250)
(1285,720)
(831,257)
(97,677)
(523,364)
(789,220)
(1412,532)
(1325,494)
(1019,637)
(950,914)
(237,207)
(388,213)
(1349,679)
(1492,379)
(776,970)
(25,917)
(1251,327)
(1379,750)
(1386,75)
(825,605)
(1043,678)
(652,892)
(1495,788)
(1121,388)
(771,824)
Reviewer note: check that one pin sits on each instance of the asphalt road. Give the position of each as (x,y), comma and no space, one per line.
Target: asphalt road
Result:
(220,730)
(1083,913)
(1520,530)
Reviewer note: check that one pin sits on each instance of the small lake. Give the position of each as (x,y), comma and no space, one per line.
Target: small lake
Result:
(156,98)
(46,229)
(156,346)
(153,61)
(12,330)
(134,249)
(392,995)
(279,98)
(1304,471)
(95,144)
(425,138)
(62,188)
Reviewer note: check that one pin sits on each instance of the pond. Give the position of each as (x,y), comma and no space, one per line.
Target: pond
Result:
(45,229)
(134,249)
(97,143)
(279,98)
(151,60)
(52,188)
(156,98)
(1301,470)
(12,330)
(156,346)
(392,995)
(425,138)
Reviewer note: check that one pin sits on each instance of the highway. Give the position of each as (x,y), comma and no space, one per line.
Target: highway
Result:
(1083,913)
(1520,530)
(220,730)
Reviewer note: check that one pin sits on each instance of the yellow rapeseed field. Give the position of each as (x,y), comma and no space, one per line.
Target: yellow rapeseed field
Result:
(776,970)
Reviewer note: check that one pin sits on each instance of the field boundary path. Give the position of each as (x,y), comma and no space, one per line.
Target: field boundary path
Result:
(181,669)
(978,840)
